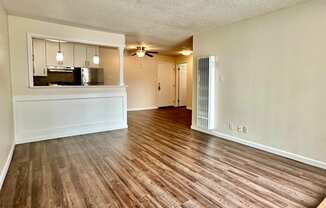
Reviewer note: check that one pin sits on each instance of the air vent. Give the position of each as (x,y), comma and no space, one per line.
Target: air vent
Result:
(206,92)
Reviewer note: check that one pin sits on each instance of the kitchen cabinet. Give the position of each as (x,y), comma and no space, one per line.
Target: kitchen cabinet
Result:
(68,54)
(91,52)
(51,52)
(39,58)
(83,55)
(80,51)
(89,56)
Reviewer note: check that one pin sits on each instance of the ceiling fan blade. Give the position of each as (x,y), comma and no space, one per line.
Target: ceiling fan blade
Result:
(147,54)
(134,54)
(155,52)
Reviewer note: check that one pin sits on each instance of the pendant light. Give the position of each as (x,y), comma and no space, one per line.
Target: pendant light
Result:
(59,56)
(96,57)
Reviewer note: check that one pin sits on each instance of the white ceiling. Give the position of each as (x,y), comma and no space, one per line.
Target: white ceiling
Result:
(161,24)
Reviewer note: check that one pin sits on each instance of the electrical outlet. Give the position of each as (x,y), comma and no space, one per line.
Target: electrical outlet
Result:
(245,129)
(240,129)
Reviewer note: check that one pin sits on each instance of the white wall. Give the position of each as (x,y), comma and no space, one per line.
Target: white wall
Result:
(49,117)
(46,113)
(6,122)
(109,60)
(274,72)
(141,79)
(141,76)
(18,29)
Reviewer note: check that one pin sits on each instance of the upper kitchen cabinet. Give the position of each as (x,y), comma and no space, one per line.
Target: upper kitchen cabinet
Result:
(92,51)
(52,48)
(68,52)
(39,58)
(84,55)
(80,53)
(51,52)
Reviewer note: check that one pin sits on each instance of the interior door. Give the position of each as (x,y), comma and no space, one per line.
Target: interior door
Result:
(182,85)
(166,84)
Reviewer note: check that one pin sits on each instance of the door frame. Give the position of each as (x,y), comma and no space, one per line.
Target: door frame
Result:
(177,82)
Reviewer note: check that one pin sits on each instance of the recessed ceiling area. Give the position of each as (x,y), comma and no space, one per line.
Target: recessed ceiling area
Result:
(161,25)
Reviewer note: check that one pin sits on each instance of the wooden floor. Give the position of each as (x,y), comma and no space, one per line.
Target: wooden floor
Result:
(158,162)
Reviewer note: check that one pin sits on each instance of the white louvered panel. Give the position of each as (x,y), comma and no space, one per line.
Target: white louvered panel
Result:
(205,92)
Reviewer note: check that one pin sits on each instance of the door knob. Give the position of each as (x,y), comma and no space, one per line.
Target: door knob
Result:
(159,86)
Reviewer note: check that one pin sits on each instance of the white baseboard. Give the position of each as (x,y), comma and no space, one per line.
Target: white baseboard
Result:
(269,149)
(67,132)
(5,169)
(142,109)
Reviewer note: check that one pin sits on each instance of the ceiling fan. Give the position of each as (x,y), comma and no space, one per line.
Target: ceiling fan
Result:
(141,52)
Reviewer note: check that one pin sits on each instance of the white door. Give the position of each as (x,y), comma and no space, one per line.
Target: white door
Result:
(182,85)
(166,84)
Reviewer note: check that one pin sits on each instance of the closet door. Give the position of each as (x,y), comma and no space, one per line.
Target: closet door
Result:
(182,85)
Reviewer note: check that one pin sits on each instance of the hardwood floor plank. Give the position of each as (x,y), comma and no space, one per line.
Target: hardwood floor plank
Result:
(157,162)
(21,194)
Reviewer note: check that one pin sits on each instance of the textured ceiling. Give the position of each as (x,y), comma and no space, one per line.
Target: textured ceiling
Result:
(160,24)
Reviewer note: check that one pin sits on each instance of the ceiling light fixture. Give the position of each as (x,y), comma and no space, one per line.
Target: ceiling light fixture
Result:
(141,52)
(59,56)
(186,52)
